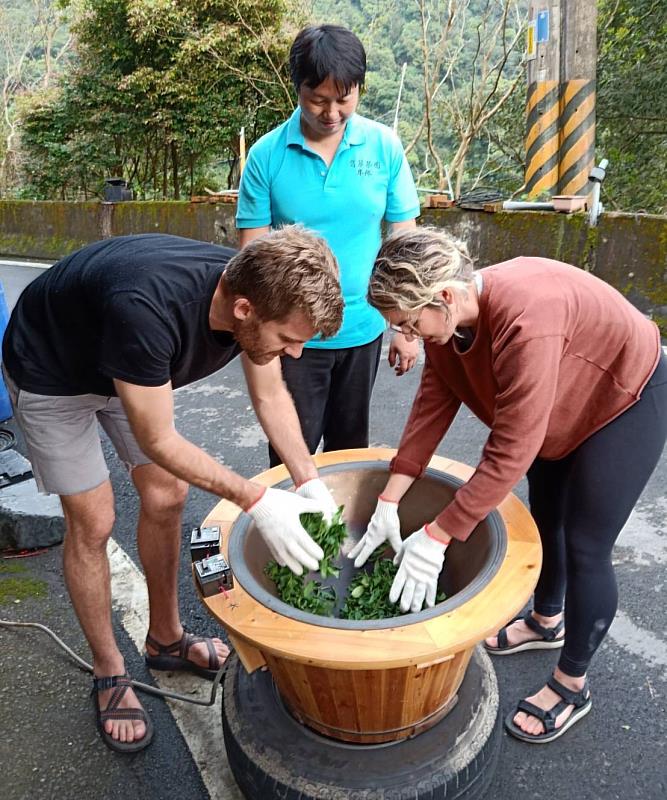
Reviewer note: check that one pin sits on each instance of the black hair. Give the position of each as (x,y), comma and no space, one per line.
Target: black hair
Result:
(327,51)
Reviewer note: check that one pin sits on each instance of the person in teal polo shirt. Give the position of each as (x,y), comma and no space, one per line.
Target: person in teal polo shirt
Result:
(341,175)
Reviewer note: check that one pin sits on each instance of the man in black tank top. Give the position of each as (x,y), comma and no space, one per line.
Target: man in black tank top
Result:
(105,336)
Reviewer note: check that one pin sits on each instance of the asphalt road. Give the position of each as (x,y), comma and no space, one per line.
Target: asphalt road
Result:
(49,746)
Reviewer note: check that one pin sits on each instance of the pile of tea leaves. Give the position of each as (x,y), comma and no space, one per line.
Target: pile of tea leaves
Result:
(310,595)
(368,593)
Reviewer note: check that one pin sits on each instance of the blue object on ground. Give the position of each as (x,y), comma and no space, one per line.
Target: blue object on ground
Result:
(5,403)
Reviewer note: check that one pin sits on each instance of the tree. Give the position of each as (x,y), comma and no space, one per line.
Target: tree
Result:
(631,103)
(158,94)
(33,45)
(464,66)
(470,68)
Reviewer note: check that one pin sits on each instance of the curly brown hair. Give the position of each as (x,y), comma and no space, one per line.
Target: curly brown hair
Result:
(286,270)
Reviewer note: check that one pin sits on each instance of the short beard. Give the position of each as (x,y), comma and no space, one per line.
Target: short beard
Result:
(247,334)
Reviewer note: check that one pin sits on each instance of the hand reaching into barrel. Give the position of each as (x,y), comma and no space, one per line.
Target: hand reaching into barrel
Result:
(315,489)
(384,526)
(276,515)
(420,561)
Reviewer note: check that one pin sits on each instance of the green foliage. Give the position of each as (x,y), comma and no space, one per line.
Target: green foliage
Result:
(158,90)
(632,104)
(158,95)
(329,537)
(368,593)
(305,595)
(34,47)
(454,58)
(311,595)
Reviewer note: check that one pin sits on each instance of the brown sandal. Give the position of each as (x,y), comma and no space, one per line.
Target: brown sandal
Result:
(120,684)
(175,656)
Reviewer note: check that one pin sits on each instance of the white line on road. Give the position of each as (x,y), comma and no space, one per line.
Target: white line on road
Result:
(639,641)
(32,264)
(200,726)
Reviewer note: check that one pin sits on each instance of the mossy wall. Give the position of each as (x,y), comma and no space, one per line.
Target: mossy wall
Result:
(627,250)
(50,230)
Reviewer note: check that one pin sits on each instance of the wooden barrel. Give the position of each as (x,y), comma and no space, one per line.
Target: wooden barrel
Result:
(380,681)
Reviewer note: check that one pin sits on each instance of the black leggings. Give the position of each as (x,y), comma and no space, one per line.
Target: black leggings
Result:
(332,394)
(580,504)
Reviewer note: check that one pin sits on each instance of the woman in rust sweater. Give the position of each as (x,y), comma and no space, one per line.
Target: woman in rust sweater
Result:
(571,380)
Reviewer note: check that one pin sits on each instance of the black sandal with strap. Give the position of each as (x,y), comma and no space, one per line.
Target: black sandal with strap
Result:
(580,700)
(175,656)
(120,684)
(550,640)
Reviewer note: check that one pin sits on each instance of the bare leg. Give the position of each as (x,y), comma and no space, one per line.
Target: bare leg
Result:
(159,536)
(89,518)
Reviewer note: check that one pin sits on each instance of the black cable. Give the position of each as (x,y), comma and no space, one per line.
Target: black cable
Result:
(478,197)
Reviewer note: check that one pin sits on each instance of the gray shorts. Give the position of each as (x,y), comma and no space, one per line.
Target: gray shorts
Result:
(63,438)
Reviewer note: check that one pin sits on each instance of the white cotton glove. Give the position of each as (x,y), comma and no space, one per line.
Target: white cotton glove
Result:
(421,560)
(384,526)
(314,489)
(276,515)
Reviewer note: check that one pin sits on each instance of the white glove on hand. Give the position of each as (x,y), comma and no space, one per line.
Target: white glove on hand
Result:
(314,489)
(276,515)
(421,560)
(384,525)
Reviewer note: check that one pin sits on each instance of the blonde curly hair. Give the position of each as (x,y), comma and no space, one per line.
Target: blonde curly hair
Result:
(414,266)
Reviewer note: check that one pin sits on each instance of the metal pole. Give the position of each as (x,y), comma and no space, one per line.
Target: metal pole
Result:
(241,151)
(398,99)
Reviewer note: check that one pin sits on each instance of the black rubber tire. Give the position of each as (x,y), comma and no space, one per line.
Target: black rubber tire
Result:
(273,757)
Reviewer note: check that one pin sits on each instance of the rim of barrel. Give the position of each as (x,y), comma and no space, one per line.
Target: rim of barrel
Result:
(247,580)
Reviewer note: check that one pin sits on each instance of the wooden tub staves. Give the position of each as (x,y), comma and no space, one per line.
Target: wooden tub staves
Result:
(369,682)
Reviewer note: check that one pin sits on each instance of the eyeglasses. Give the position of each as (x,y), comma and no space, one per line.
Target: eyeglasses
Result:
(411,327)
(407,328)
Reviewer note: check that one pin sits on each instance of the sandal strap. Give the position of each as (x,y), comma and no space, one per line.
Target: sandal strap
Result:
(109,682)
(576,699)
(548,634)
(183,646)
(190,638)
(164,649)
(123,713)
(119,683)
(547,716)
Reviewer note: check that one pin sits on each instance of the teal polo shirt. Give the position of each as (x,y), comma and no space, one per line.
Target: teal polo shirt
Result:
(369,180)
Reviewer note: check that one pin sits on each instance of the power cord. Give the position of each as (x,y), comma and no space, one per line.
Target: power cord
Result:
(142,687)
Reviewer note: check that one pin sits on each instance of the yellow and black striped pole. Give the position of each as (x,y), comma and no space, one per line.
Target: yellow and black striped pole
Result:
(542,113)
(560,105)
(576,136)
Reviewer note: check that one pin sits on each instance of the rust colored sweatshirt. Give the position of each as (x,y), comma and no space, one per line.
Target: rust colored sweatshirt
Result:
(556,355)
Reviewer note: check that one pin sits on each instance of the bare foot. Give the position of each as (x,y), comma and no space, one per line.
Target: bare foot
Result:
(122,730)
(518,632)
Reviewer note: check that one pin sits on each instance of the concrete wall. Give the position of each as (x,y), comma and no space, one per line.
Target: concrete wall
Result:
(629,251)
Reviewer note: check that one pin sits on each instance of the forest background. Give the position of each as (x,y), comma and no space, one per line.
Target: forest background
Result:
(156,91)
